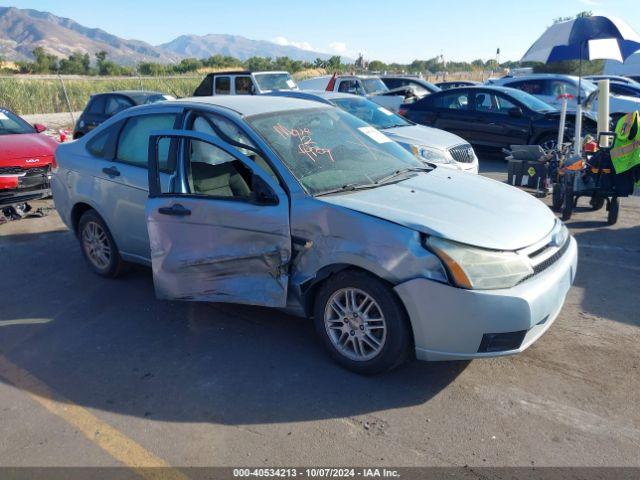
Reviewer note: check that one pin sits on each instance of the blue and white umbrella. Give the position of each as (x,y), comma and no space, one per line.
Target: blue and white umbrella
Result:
(588,38)
(585,38)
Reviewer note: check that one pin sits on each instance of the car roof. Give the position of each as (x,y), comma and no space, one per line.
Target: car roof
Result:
(230,72)
(246,105)
(538,76)
(480,87)
(132,92)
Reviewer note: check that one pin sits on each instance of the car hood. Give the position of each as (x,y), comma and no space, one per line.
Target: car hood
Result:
(25,146)
(465,208)
(427,136)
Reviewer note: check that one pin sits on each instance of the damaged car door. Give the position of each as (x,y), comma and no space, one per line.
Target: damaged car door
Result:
(221,231)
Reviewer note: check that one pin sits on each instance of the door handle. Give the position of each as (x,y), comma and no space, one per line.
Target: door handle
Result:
(176,210)
(111,171)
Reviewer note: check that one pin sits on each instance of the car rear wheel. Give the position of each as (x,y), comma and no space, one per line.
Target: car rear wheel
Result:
(98,247)
(362,323)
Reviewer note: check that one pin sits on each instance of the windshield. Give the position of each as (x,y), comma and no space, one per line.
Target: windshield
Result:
(374,85)
(327,149)
(370,112)
(11,124)
(275,81)
(530,101)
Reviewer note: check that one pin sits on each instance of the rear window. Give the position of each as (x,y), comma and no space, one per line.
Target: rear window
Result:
(96,105)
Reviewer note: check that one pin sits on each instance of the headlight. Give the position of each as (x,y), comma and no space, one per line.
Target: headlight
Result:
(430,154)
(480,269)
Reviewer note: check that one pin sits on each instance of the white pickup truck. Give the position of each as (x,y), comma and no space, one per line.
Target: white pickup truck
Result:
(369,86)
(244,82)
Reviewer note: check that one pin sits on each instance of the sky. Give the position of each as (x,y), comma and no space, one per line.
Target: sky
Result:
(391,31)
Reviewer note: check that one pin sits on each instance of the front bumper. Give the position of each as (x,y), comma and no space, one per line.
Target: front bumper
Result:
(450,323)
(25,188)
(459,166)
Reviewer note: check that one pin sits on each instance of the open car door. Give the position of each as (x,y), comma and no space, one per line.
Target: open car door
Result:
(221,233)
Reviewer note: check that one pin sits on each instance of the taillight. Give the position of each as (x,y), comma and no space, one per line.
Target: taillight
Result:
(403,111)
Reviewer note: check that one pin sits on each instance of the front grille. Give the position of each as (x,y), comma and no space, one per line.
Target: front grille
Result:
(542,266)
(11,171)
(25,171)
(462,153)
(36,171)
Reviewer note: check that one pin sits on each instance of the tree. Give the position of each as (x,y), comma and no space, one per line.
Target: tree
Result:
(334,64)
(45,62)
(76,64)
(377,66)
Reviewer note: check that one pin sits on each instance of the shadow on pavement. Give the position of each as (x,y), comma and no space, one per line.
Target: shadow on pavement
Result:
(109,345)
(614,255)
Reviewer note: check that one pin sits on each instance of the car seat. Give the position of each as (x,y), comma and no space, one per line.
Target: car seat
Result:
(222,180)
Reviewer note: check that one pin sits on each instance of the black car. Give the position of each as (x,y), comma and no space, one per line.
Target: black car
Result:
(103,106)
(489,116)
(456,84)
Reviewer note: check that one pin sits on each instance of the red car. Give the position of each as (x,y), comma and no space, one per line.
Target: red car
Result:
(26,160)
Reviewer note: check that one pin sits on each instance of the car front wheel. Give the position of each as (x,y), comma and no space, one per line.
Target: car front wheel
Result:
(362,323)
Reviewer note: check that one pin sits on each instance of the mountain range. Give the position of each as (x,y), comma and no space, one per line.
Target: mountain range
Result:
(22,30)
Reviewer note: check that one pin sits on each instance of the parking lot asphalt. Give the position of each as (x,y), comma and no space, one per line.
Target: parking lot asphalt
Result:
(97,372)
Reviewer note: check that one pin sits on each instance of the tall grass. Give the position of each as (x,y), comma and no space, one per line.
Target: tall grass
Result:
(29,94)
(44,94)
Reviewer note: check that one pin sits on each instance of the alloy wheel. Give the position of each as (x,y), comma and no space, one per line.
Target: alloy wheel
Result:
(355,324)
(96,244)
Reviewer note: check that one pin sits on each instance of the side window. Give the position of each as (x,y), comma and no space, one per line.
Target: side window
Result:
(485,102)
(223,86)
(393,82)
(243,85)
(453,101)
(97,146)
(116,103)
(103,144)
(206,123)
(133,144)
(96,105)
(213,172)
(559,87)
(348,86)
(534,87)
(503,105)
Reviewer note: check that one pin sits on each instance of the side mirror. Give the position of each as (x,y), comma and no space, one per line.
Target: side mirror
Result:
(39,127)
(515,112)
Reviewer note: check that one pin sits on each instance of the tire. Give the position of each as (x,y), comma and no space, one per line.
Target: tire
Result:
(568,202)
(370,346)
(596,203)
(98,247)
(557,197)
(614,207)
